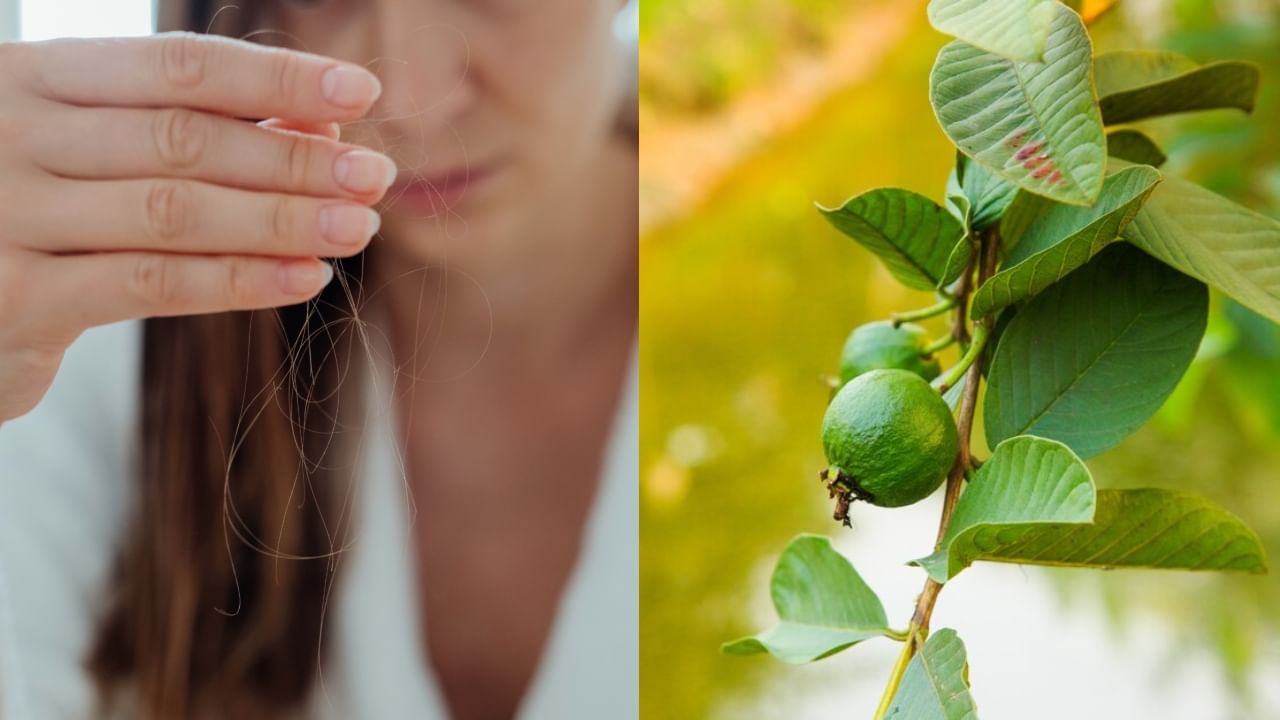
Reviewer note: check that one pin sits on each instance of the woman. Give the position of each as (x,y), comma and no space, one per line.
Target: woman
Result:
(407,492)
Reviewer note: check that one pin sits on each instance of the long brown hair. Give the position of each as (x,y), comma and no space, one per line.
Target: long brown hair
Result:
(216,605)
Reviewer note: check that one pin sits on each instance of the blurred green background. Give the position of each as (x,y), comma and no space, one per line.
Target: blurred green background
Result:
(752,110)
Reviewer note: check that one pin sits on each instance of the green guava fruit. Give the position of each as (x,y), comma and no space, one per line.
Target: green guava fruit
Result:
(889,438)
(879,345)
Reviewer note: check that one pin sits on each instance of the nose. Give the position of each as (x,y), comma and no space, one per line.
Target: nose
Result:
(424,66)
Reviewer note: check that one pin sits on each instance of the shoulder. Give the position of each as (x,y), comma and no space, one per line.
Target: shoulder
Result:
(64,493)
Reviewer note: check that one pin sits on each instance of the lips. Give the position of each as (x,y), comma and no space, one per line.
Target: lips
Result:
(432,192)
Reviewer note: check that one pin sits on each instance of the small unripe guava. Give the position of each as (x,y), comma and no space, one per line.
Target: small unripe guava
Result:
(890,440)
(879,346)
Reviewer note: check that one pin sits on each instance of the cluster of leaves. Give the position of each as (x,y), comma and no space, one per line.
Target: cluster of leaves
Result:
(1094,313)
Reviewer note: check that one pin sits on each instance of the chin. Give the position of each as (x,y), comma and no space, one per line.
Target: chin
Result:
(466,237)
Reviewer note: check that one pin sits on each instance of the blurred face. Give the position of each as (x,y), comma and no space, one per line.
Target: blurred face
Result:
(496,112)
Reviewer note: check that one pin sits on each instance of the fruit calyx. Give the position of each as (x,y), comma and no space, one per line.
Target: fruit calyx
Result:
(845,490)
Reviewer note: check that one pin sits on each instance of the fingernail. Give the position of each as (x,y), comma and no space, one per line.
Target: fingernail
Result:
(350,87)
(364,171)
(348,225)
(304,278)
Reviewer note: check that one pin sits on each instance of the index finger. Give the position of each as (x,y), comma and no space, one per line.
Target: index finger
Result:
(213,73)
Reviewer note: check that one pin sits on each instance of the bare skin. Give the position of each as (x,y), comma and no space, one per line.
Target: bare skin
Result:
(179,209)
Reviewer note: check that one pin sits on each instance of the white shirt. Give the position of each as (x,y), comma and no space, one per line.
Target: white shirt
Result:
(65,487)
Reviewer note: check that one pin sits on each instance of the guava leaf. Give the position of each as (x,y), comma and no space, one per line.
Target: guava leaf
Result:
(957,203)
(1134,147)
(1057,238)
(989,194)
(1034,124)
(1016,29)
(1027,480)
(1138,84)
(962,209)
(959,258)
(1211,238)
(1034,503)
(910,233)
(823,606)
(936,683)
(1142,528)
(985,195)
(1091,358)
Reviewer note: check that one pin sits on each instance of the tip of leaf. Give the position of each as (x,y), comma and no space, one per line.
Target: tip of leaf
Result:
(935,566)
(742,646)
(1255,70)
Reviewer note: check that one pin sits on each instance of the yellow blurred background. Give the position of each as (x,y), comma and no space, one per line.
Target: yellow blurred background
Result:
(752,111)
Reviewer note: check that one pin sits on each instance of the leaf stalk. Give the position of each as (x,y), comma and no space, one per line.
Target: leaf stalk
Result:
(939,345)
(957,371)
(946,303)
(895,677)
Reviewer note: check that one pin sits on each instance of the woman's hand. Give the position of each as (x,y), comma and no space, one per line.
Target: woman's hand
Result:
(129,189)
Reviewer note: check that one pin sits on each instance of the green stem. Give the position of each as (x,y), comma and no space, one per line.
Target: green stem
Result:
(946,303)
(899,635)
(972,364)
(957,371)
(939,345)
(899,669)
